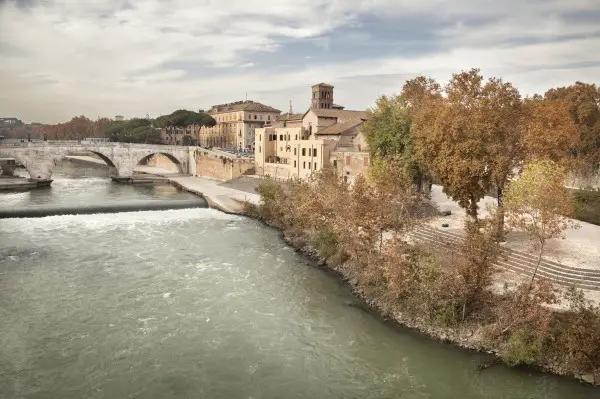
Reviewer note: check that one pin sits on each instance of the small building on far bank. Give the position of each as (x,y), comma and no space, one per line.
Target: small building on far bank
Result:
(326,135)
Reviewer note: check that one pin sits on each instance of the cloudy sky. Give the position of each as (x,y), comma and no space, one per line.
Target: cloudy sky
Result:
(60,58)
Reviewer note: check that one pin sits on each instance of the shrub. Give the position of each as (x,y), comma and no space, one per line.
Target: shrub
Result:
(325,242)
(523,347)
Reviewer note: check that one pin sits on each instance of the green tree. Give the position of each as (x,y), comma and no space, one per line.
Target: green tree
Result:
(388,128)
(539,204)
(183,118)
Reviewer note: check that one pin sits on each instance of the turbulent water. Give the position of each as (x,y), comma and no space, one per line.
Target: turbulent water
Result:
(199,304)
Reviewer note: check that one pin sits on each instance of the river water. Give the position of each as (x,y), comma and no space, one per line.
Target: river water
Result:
(199,304)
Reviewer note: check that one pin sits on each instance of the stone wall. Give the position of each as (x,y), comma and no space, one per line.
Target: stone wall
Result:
(584,181)
(214,165)
(277,171)
(351,163)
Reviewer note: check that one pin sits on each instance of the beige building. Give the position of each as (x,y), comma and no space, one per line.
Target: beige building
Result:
(236,123)
(297,145)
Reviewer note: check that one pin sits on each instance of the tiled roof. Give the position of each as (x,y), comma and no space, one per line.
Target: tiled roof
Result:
(341,114)
(241,106)
(339,128)
(322,84)
(290,117)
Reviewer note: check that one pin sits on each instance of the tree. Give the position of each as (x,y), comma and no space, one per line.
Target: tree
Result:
(501,115)
(583,100)
(183,118)
(416,91)
(388,127)
(539,204)
(453,137)
(548,131)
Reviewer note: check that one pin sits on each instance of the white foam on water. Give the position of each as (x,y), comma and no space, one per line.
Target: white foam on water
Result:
(12,199)
(110,221)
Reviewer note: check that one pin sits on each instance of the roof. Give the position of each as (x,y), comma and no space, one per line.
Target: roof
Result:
(290,117)
(336,106)
(241,106)
(341,114)
(339,128)
(322,84)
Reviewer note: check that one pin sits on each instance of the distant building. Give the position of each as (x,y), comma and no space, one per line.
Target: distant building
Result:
(10,122)
(236,123)
(175,135)
(119,118)
(297,145)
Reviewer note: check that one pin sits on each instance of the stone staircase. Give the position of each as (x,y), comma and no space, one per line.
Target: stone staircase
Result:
(516,261)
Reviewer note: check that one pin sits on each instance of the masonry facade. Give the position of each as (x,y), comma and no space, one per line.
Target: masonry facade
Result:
(327,135)
(236,123)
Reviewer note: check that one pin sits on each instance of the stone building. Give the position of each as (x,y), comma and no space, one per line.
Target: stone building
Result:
(236,123)
(297,145)
(173,135)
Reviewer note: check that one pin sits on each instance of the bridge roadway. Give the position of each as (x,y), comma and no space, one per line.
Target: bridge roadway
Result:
(39,158)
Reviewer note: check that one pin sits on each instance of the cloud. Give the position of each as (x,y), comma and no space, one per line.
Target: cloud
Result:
(108,57)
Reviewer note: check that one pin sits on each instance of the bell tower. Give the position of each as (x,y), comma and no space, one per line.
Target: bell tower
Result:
(322,96)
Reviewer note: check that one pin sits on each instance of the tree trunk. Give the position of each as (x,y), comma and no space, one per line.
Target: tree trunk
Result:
(500,221)
(536,266)
(419,181)
(472,210)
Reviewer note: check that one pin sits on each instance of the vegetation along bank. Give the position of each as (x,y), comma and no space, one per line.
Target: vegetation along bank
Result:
(473,136)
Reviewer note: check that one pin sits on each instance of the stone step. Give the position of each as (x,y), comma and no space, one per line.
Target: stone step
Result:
(461,236)
(563,277)
(523,257)
(531,262)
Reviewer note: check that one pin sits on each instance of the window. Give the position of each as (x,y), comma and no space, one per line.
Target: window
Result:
(303,165)
(314,152)
(296,137)
(261,117)
(268,117)
(309,165)
(259,137)
(335,163)
(294,151)
(303,151)
(294,164)
(281,137)
(315,166)
(254,116)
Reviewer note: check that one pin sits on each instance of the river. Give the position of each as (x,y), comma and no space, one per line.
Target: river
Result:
(199,304)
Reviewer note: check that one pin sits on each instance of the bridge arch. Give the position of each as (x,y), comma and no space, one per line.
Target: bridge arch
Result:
(174,160)
(42,166)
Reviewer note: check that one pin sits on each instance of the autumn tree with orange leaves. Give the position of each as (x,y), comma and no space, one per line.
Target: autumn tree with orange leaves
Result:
(481,133)
(583,102)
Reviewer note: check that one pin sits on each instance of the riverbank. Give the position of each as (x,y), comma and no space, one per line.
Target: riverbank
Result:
(11,184)
(469,337)
(217,195)
(415,288)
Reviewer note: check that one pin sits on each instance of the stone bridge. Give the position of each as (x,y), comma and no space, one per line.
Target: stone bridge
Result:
(39,158)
